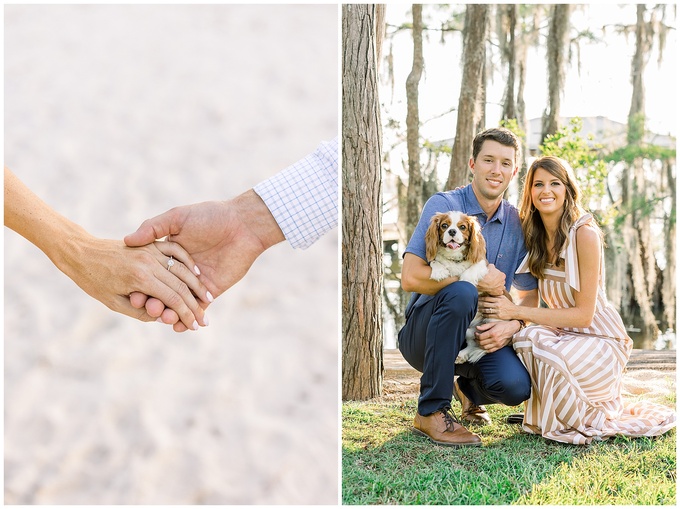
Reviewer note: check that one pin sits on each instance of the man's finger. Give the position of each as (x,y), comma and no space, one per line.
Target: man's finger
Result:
(155,308)
(150,230)
(485,327)
(138,299)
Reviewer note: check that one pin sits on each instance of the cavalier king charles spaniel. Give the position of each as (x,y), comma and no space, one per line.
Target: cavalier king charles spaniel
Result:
(454,246)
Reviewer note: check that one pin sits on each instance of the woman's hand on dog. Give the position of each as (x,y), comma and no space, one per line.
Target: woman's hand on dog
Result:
(500,308)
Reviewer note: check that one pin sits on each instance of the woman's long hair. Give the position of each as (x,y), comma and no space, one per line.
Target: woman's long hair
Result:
(535,235)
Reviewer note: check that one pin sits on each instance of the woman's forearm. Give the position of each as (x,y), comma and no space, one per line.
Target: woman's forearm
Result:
(567,317)
(579,316)
(37,222)
(107,270)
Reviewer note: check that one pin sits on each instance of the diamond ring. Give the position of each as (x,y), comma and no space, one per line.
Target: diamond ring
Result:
(171,262)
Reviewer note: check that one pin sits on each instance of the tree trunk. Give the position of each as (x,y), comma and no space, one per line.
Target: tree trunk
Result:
(636,187)
(643,263)
(380,28)
(474,57)
(668,289)
(362,360)
(522,120)
(481,101)
(636,114)
(615,275)
(415,178)
(558,45)
(509,51)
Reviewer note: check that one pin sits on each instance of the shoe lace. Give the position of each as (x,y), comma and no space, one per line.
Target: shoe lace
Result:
(449,418)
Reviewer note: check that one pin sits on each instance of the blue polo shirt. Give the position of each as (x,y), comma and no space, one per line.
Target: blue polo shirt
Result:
(502,232)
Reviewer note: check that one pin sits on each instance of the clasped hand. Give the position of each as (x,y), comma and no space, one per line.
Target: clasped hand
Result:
(222,238)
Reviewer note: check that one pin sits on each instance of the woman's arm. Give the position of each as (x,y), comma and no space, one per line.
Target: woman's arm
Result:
(588,245)
(105,269)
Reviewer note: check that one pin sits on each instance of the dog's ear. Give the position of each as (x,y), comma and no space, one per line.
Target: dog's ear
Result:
(432,237)
(477,248)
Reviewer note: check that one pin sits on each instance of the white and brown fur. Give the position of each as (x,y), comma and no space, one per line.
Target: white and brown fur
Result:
(454,246)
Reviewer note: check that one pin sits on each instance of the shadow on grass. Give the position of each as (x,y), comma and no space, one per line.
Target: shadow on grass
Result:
(383,462)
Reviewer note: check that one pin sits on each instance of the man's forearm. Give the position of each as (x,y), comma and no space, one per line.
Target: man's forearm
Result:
(415,277)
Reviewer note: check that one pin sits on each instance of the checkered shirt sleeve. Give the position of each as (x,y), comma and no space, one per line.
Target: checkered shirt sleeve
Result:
(303,198)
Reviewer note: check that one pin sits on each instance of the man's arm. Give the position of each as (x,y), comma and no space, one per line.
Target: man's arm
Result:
(415,276)
(298,204)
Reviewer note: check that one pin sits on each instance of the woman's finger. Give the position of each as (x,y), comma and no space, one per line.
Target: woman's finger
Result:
(190,276)
(169,289)
(180,280)
(179,298)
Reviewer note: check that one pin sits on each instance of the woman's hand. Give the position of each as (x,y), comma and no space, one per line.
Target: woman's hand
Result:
(109,271)
(500,308)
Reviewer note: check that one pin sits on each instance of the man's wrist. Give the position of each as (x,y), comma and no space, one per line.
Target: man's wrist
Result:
(255,214)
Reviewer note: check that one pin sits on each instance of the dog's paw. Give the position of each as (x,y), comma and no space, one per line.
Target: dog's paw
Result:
(475,273)
(476,355)
(439,272)
(463,356)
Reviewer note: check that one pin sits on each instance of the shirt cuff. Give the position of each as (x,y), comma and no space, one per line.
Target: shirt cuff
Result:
(303,198)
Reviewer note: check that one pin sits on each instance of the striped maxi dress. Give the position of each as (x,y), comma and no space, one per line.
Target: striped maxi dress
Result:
(576,373)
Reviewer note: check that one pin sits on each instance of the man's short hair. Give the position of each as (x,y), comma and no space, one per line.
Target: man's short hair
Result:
(501,135)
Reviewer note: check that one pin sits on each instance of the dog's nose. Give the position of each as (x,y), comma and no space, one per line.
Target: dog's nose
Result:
(453,232)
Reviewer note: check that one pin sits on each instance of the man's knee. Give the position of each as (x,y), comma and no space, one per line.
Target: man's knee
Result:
(516,387)
(505,379)
(461,295)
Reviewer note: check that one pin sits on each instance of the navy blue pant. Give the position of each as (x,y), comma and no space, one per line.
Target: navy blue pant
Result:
(430,341)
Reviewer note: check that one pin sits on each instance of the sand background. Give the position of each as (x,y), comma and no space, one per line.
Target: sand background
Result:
(114,114)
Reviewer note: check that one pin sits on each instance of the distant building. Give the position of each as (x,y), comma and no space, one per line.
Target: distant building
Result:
(608,133)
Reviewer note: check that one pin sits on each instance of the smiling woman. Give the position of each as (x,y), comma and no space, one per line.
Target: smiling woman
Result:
(577,348)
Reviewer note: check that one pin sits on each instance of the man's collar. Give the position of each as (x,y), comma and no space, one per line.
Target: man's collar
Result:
(475,209)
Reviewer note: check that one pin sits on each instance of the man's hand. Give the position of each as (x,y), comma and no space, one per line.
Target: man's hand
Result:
(493,336)
(223,238)
(493,283)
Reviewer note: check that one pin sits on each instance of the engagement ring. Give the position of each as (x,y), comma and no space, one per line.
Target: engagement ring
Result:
(171,262)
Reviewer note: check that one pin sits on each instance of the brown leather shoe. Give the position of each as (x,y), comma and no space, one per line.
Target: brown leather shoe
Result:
(470,412)
(442,428)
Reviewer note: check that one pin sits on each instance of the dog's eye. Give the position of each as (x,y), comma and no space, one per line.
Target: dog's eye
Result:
(462,227)
(444,226)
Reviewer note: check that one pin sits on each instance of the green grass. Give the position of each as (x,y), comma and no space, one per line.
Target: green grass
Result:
(383,462)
